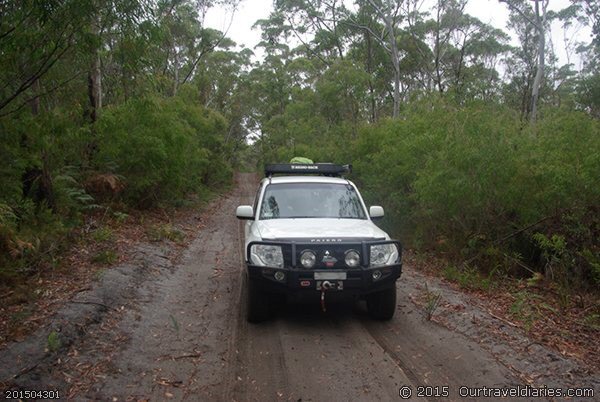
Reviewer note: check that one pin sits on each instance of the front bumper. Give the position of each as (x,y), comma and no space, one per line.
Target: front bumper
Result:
(301,285)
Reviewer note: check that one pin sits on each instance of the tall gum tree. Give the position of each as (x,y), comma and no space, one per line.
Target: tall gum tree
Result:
(388,13)
(539,23)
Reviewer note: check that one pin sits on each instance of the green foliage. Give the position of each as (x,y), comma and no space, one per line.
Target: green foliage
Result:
(102,234)
(523,310)
(593,259)
(164,148)
(468,278)
(592,321)
(165,232)
(121,217)
(460,179)
(464,180)
(529,307)
(432,302)
(53,342)
(105,257)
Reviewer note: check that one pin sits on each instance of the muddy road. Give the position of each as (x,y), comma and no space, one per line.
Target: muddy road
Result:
(181,334)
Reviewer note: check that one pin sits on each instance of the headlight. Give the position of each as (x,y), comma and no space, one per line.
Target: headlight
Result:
(266,255)
(352,258)
(308,259)
(383,254)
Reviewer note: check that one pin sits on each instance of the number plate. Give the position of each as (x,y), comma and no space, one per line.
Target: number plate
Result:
(330,276)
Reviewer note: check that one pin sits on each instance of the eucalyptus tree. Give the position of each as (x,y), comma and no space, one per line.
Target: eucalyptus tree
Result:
(536,18)
(316,24)
(221,83)
(342,94)
(388,12)
(588,86)
(476,73)
(186,39)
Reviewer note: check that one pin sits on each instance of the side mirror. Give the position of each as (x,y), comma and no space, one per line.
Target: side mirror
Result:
(376,212)
(244,212)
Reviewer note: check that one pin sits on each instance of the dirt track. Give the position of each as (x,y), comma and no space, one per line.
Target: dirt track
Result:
(182,335)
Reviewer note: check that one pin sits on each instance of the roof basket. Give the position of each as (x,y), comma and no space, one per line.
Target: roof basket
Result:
(322,169)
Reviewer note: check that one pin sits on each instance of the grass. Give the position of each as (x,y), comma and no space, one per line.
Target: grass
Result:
(53,342)
(102,234)
(432,302)
(106,257)
(175,324)
(18,317)
(99,274)
(468,278)
(529,307)
(165,232)
(120,217)
(592,321)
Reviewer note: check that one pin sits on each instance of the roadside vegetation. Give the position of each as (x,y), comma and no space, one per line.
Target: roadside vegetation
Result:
(108,124)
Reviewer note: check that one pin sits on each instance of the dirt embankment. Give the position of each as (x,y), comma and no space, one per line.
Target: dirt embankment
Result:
(155,331)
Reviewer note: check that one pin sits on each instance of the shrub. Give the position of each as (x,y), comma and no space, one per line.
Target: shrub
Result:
(471,182)
(164,148)
(463,180)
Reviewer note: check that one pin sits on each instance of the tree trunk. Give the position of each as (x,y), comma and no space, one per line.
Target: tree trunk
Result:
(95,88)
(36,183)
(94,91)
(438,73)
(176,72)
(535,92)
(35,102)
(373,116)
(393,50)
(95,74)
(396,63)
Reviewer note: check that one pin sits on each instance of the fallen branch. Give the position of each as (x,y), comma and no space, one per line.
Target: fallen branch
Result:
(26,370)
(502,240)
(507,237)
(520,263)
(512,324)
(191,355)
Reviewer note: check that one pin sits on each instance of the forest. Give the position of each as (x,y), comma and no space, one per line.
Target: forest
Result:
(483,151)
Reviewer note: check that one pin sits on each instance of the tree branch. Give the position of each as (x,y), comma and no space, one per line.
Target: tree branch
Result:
(209,49)
(518,10)
(46,92)
(43,69)
(377,37)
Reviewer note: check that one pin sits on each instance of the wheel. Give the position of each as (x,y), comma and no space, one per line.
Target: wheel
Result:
(257,303)
(382,305)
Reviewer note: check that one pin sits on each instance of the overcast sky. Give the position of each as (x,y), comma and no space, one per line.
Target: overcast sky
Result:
(489,11)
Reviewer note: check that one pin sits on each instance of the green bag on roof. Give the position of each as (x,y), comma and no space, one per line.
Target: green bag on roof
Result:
(300,159)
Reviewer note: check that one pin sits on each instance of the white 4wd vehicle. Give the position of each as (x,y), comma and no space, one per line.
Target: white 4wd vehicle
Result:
(309,237)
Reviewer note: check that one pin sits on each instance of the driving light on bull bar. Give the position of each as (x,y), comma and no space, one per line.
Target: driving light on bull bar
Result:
(266,255)
(383,254)
(352,258)
(376,275)
(279,275)
(308,259)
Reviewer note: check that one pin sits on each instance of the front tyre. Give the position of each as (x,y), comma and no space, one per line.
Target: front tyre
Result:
(382,305)
(257,303)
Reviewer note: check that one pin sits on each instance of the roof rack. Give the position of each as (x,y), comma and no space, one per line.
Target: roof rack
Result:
(323,169)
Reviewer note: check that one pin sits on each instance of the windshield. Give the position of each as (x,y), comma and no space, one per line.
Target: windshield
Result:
(311,200)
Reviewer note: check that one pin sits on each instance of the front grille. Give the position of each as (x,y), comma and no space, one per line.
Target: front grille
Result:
(337,251)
